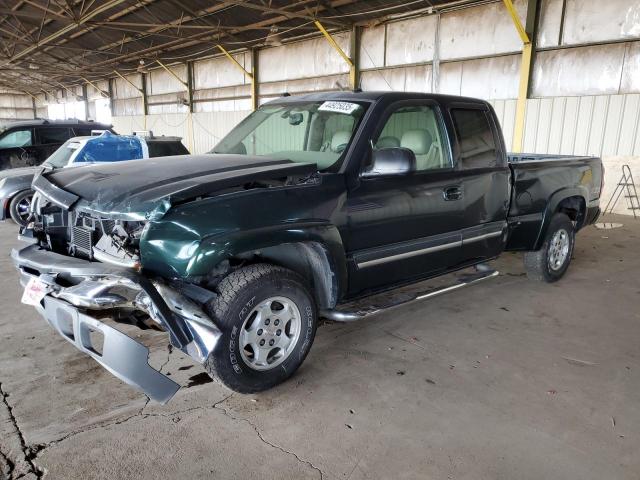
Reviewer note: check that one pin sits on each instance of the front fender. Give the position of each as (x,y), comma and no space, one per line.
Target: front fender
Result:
(193,257)
(11,186)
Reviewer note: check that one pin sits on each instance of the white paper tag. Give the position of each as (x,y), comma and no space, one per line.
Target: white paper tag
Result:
(339,107)
(34,292)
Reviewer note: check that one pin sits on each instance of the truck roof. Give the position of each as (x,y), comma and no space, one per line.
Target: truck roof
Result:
(376,96)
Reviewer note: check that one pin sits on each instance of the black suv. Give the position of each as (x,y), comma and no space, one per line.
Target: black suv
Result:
(29,143)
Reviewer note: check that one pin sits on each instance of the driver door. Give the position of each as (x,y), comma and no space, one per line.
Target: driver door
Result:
(403,227)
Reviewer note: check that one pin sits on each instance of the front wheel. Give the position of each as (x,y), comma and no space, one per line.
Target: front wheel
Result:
(552,261)
(20,207)
(268,320)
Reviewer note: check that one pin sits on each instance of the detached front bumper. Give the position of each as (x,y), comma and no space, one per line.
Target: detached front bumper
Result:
(79,291)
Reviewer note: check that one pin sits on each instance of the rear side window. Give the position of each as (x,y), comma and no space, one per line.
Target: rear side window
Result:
(54,135)
(166,149)
(475,137)
(82,132)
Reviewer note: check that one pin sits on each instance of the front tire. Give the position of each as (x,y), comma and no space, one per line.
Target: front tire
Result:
(20,206)
(268,320)
(551,262)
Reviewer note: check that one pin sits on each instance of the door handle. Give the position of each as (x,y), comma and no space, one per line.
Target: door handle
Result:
(452,193)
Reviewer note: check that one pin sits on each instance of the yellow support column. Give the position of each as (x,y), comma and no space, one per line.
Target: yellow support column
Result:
(250,75)
(353,73)
(521,105)
(525,72)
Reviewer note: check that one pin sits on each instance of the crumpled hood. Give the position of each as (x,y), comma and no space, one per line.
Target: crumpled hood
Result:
(18,172)
(146,189)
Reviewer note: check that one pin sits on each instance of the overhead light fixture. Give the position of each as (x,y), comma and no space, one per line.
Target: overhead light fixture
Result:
(141,67)
(273,38)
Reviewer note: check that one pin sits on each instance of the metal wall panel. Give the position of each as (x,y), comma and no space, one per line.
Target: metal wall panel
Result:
(488,78)
(230,106)
(550,23)
(479,31)
(597,21)
(372,47)
(159,81)
(127,124)
(630,122)
(210,127)
(220,72)
(15,101)
(630,82)
(569,126)
(403,79)
(203,131)
(450,78)
(94,94)
(305,59)
(122,89)
(129,106)
(411,41)
(305,85)
(606,125)
(495,78)
(592,70)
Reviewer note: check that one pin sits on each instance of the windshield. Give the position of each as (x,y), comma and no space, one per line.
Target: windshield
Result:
(60,158)
(317,132)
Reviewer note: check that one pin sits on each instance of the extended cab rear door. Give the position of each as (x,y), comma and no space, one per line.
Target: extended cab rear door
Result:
(484,179)
(403,227)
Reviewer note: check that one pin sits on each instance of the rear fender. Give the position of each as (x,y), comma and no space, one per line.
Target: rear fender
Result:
(554,205)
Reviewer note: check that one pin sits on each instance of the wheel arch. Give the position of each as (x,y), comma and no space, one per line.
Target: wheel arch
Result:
(312,261)
(314,252)
(572,202)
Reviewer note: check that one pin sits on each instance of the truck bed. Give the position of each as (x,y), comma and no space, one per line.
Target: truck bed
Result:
(538,182)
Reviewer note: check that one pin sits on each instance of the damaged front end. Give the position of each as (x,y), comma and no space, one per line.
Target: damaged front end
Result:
(84,269)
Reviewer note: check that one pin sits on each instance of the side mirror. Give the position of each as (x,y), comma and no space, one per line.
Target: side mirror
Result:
(391,161)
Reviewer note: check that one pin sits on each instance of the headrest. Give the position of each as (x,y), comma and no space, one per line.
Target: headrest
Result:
(388,142)
(339,141)
(419,141)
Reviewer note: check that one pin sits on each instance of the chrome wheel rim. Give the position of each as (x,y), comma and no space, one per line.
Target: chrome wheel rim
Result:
(559,249)
(270,333)
(23,208)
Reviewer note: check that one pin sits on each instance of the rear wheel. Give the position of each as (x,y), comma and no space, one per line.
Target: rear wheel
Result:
(20,206)
(552,261)
(268,320)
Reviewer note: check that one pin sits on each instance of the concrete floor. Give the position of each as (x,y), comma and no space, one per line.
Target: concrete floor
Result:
(507,379)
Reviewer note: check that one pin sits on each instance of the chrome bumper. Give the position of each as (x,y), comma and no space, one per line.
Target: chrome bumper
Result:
(77,288)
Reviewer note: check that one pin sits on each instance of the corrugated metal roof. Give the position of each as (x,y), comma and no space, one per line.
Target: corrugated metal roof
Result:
(48,45)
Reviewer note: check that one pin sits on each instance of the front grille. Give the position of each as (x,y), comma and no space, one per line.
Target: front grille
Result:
(82,240)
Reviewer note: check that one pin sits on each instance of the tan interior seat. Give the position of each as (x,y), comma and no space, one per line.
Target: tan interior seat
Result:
(339,141)
(419,142)
(387,142)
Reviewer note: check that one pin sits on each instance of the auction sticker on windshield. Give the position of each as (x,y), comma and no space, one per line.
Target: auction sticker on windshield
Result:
(34,292)
(339,107)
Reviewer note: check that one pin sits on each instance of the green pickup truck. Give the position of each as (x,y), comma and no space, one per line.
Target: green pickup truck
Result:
(306,209)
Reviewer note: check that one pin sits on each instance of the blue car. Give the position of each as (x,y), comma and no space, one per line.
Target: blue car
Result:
(15,184)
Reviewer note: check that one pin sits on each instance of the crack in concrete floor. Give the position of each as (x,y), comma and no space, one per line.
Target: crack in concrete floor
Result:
(37,450)
(28,452)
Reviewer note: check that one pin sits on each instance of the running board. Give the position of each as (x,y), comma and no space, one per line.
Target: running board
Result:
(351,312)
